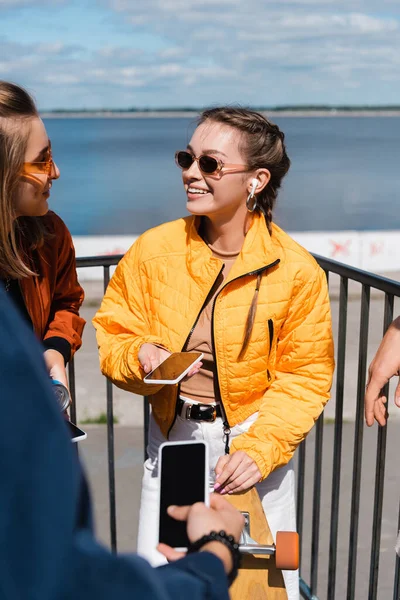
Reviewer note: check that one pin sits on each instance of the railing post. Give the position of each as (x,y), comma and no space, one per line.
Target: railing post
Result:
(379,477)
(72,389)
(110,446)
(396,585)
(316,502)
(337,444)
(358,437)
(301,468)
(146,419)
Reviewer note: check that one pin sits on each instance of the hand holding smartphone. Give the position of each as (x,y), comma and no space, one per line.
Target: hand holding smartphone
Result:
(183,481)
(174,368)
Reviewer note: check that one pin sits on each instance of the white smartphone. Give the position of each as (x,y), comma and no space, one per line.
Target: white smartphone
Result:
(174,368)
(183,480)
(76,434)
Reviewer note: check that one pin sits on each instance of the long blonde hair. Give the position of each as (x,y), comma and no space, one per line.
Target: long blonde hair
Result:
(17,108)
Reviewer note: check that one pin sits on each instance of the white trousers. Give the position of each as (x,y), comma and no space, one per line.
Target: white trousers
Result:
(277,492)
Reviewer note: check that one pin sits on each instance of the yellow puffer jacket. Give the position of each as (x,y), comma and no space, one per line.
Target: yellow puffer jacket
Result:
(156,295)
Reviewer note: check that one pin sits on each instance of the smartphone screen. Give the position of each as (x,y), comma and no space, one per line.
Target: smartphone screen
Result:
(183,481)
(173,367)
(76,433)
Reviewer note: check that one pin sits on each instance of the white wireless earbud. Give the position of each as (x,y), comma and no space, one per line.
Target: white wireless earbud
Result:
(254,185)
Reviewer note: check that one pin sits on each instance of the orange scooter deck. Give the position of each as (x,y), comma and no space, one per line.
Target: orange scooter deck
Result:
(259,578)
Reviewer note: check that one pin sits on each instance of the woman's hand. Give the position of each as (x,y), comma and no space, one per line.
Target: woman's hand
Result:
(235,473)
(150,356)
(384,366)
(201,520)
(55,365)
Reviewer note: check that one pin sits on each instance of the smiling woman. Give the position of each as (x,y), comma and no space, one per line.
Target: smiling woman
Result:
(226,282)
(37,258)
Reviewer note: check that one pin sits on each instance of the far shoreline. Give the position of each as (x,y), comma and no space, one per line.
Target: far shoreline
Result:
(193,114)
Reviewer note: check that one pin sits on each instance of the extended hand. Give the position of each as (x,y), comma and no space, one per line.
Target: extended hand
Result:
(236,472)
(385,365)
(201,520)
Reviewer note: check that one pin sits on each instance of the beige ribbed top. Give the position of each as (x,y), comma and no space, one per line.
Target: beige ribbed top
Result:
(200,387)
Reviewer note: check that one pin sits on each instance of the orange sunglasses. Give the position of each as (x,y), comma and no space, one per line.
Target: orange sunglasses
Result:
(45,167)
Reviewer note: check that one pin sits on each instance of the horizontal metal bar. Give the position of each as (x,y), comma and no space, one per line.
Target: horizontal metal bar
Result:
(390,286)
(98,261)
(377,282)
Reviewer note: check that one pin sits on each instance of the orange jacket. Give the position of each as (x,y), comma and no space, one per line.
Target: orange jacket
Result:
(156,295)
(54,297)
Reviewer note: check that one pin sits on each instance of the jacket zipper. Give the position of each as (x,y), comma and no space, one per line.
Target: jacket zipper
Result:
(271,337)
(187,341)
(216,383)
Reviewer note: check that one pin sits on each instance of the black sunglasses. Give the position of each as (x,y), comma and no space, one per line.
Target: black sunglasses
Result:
(207,164)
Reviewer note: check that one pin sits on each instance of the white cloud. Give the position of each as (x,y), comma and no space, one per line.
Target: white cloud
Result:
(223,50)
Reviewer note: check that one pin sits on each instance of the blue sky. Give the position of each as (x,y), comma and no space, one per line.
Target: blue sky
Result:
(177,53)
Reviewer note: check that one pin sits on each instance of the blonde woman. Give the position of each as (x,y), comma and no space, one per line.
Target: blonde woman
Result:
(37,258)
(228,282)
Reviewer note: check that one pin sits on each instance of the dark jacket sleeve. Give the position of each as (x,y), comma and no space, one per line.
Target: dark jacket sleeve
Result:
(64,321)
(95,574)
(47,547)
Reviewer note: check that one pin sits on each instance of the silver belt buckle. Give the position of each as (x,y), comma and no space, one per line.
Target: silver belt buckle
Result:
(188,412)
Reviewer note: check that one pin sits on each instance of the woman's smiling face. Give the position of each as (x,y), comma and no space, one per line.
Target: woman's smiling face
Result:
(221,194)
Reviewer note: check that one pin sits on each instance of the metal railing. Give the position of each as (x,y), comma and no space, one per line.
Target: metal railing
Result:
(390,289)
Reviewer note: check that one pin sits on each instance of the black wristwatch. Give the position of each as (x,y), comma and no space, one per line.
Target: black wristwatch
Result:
(229,542)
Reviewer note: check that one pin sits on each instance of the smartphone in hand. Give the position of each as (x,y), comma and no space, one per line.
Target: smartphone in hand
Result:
(183,481)
(174,368)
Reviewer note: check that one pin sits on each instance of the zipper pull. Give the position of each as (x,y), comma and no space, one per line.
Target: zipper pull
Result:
(227,432)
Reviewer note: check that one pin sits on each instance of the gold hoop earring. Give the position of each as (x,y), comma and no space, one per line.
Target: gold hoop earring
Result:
(251,207)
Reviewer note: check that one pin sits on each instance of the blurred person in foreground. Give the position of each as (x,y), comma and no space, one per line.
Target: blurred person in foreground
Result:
(385,365)
(228,282)
(37,257)
(47,545)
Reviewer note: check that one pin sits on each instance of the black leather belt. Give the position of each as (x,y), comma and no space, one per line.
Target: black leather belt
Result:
(198,412)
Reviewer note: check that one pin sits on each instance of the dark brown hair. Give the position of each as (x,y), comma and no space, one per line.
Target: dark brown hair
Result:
(17,108)
(262,146)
